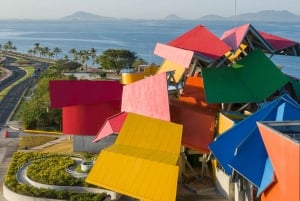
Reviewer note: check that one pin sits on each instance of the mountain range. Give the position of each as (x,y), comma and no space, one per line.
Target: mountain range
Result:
(266,15)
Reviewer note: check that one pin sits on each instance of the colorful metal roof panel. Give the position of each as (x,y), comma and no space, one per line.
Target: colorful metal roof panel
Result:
(242,148)
(247,35)
(244,82)
(148,97)
(280,43)
(193,93)
(112,125)
(180,56)
(65,93)
(201,41)
(168,66)
(198,124)
(235,36)
(142,162)
(284,153)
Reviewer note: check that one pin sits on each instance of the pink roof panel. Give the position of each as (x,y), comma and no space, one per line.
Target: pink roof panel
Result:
(176,55)
(112,125)
(235,36)
(148,97)
(201,41)
(278,43)
(82,92)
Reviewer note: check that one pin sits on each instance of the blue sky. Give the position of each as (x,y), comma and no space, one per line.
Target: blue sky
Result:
(139,9)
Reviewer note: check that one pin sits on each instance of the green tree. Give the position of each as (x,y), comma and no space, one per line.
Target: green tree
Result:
(73,51)
(139,61)
(50,54)
(45,51)
(84,56)
(93,55)
(56,51)
(116,59)
(36,113)
(9,46)
(37,48)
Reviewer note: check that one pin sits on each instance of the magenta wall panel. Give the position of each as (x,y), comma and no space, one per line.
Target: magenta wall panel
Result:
(87,119)
(80,92)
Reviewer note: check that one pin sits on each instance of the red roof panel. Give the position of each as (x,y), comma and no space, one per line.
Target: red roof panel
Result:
(112,125)
(201,41)
(278,43)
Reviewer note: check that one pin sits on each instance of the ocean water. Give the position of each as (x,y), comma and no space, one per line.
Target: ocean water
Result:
(137,36)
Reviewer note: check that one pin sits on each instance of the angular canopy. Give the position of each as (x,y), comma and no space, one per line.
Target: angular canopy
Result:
(242,148)
(244,82)
(196,116)
(148,97)
(247,35)
(180,56)
(201,41)
(282,45)
(142,162)
(282,142)
(168,66)
(112,125)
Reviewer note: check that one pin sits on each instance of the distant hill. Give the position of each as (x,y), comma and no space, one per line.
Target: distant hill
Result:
(173,17)
(85,16)
(266,15)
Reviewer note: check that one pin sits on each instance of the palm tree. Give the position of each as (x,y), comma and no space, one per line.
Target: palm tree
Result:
(66,58)
(45,51)
(74,53)
(30,52)
(50,54)
(56,51)
(84,56)
(93,55)
(9,46)
(37,48)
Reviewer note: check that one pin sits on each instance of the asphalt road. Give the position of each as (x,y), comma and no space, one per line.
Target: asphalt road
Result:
(8,146)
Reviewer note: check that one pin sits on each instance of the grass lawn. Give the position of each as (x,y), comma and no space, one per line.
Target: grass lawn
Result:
(34,141)
(65,146)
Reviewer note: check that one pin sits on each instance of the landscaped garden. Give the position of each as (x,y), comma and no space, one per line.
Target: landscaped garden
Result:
(47,168)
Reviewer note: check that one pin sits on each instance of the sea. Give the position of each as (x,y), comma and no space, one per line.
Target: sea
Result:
(139,36)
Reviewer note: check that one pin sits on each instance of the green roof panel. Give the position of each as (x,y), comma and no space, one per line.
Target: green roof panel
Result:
(252,79)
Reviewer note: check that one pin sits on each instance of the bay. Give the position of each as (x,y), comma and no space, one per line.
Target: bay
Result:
(139,36)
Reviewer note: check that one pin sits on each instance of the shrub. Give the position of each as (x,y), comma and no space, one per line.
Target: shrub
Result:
(20,158)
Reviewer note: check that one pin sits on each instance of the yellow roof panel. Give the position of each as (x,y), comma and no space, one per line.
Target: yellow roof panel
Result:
(224,123)
(149,133)
(171,66)
(142,162)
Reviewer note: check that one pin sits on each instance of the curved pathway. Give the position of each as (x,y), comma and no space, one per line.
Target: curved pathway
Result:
(23,178)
